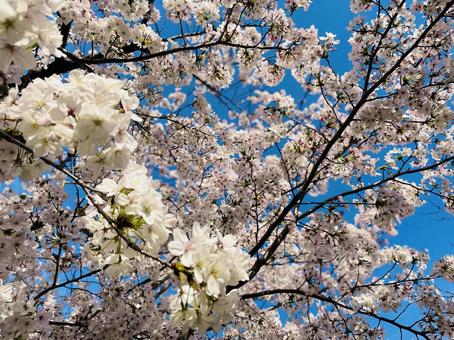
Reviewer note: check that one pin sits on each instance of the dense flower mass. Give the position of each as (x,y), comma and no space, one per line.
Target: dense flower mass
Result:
(132,213)
(207,266)
(204,169)
(85,114)
(445,267)
(23,25)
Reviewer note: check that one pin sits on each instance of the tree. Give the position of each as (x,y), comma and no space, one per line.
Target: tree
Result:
(171,188)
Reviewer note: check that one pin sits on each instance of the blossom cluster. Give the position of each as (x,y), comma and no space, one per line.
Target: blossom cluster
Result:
(445,267)
(389,205)
(17,315)
(87,114)
(9,156)
(112,31)
(25,24)
(207,265)
(6,296)
(203,12)
(133,221)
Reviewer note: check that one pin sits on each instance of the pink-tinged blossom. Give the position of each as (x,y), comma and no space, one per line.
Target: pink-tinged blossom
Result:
(269,196)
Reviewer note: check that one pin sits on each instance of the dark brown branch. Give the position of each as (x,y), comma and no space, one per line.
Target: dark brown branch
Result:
(76,279)
(58,66)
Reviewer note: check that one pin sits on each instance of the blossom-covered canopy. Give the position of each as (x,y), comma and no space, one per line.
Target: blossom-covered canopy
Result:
(160,182)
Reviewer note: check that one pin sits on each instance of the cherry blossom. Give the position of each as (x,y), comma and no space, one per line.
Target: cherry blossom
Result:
(208,265)
(202,169)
